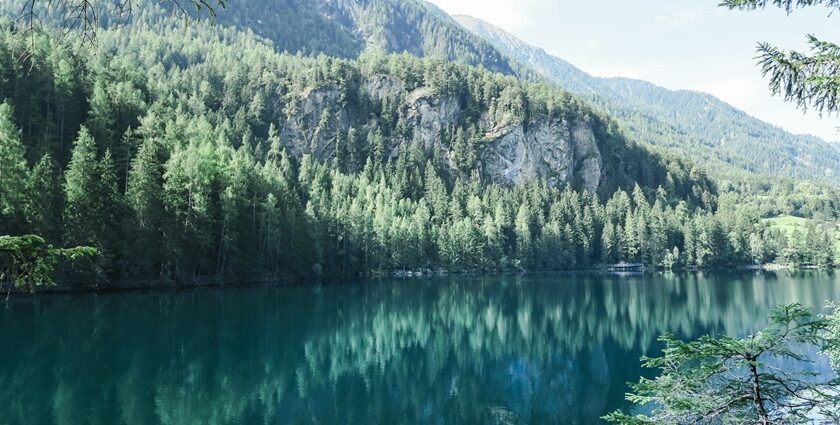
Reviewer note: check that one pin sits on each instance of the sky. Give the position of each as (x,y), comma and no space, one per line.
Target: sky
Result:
(677,44)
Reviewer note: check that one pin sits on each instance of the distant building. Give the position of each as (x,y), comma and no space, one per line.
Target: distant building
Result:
(626,267)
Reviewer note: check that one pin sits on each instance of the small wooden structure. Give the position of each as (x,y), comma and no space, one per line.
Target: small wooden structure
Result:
(626,267)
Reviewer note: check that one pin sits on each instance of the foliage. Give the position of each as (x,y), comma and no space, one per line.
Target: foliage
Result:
(810,81)
(787,5)
(729,380)
(12,168)
(27,262)
(832,345)
(207,155)
(346,29)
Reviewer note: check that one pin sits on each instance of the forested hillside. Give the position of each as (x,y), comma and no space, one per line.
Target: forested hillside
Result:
(689,124)
(188,154)
(346,28)
(694,124)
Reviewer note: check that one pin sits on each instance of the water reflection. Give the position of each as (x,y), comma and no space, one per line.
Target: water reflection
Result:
(535,349)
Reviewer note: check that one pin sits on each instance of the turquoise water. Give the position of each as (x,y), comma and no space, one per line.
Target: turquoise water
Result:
(538,349)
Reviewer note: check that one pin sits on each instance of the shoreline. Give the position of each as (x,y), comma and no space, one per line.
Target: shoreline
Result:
(213,283)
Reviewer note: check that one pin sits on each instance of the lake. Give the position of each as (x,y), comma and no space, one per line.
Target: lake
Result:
(533,349)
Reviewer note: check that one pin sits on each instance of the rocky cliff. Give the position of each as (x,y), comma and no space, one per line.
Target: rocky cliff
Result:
(556,150)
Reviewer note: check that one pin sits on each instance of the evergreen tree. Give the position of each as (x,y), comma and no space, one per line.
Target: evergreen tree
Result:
(108,211)
(12,171)
(630,238)
(523,236)
(810,81)
(81,193)
(463,152)
(728,380)
(143,199)
(43,200)
(609,243)
(83,210)
(101,120)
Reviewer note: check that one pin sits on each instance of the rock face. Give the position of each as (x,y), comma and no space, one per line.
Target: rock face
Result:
(430,116)
(303,129)
(555,150)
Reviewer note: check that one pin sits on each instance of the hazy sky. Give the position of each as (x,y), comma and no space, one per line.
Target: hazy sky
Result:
(678,44)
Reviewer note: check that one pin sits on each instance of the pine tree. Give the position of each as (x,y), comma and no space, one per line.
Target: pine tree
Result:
(523,236)
(145,186)
(630,239)
(340,153)
(82,208)
(143,199)
(745,386)
(275,145)
(43,200)
(808,80)
(463,152)
(824,252)
(101,120)
(435,194)
(690,243)
(191,179)
(108,212)
(238,208)
(355,153)
(609,243)
(12,172)
(81,191)
(376,142)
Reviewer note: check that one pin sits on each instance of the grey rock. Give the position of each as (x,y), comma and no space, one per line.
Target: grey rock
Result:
(553,150)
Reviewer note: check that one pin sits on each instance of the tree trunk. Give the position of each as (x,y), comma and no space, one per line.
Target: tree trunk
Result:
(756,389)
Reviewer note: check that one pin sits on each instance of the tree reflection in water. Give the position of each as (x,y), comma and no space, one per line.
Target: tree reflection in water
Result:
(518,349)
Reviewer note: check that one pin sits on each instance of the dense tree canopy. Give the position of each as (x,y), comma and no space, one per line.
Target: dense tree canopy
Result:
(195,154)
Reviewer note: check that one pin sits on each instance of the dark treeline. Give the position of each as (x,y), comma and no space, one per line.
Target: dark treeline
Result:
(168,151)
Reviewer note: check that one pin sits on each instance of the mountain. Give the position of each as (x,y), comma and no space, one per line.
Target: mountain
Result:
(346,28)
(695,124)
(337,28)
(192,153)
(201,153)
(467,120)
(724,140)
(509,132)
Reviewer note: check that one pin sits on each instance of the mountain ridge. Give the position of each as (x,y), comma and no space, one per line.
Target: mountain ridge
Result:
(722,133)
(724,140)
